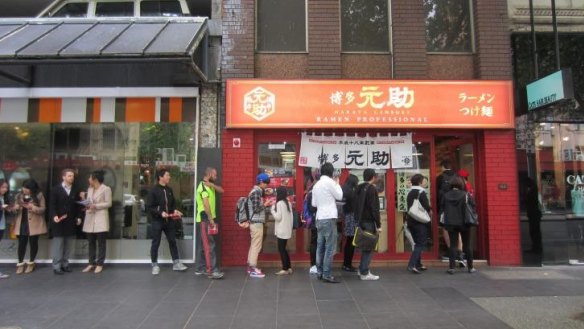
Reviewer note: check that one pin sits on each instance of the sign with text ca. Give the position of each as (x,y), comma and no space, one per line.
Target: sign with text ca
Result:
(480,104)
(550,89)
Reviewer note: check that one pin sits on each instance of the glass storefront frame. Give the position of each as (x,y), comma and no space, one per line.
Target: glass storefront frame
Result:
(15,114)
(466,139)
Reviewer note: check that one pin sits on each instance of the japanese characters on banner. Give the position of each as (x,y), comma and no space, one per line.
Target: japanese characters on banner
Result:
(353,152)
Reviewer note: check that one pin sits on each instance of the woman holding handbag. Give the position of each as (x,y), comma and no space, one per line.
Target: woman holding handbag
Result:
(453,219)
(282,213)
(96,225)
(29,224)
(418,229)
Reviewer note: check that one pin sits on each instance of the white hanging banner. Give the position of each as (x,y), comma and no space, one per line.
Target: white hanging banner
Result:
(401,151)
(353,152)
(316,150)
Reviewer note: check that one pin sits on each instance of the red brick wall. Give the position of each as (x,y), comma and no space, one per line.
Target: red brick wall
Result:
(492,40)
(409,39)
(501,206)
(238,175)
(324,43)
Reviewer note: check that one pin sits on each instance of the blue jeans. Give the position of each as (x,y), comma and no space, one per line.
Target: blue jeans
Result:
(366,257)
(420,235)
(326,243)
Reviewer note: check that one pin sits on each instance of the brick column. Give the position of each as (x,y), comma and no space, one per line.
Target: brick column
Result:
(238,39)
(238,176)
(409,39)
(501,206)
(324,43)
(492,40)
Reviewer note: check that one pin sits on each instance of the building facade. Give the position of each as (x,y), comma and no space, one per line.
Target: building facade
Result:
(128,94)
(304,47)
(550,136)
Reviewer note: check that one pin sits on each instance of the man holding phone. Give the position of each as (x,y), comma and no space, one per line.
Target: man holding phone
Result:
(160,206)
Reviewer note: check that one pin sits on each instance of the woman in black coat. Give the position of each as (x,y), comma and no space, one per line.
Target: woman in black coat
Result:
(453,205)
(419,230)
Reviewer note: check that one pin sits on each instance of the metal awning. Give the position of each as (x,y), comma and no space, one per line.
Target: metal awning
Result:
(117,41)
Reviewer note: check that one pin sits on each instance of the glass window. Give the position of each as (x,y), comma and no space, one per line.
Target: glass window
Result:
(278,161)
(281,25)
(160,8)
(448,26)
(559,158)
(365,25)
(72,9)
(114,9)
(129,153)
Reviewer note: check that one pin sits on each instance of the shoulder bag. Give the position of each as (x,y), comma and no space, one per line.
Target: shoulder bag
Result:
(365,240)
(471,218)
(418,212)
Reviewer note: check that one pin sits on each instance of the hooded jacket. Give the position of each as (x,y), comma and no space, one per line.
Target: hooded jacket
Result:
(453,206)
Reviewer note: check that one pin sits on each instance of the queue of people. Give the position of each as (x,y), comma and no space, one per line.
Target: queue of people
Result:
(360,210)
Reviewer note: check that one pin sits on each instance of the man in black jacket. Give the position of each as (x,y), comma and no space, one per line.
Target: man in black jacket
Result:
(64,214)
(369,218)
(160,206)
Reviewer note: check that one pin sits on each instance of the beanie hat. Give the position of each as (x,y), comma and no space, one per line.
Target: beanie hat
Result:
(463,173)
(263,178)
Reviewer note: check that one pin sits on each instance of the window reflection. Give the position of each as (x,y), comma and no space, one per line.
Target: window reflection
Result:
(129,153)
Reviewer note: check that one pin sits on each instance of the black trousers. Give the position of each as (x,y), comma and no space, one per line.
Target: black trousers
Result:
(535,233)
(466,247)
(349,251)
(313,244)
(169,229)
(284,254)
(34,247)
(101,239)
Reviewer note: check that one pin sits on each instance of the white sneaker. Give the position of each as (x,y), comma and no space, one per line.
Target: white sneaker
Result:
(4,276)
(369,277)
(155,270)
(178,266)
(313,270)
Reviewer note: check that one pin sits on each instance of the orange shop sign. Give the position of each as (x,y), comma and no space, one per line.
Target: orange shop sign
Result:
(369,104)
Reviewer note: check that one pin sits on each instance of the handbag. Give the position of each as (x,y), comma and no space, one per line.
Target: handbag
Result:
(418,212)
(471,217)
(365,240)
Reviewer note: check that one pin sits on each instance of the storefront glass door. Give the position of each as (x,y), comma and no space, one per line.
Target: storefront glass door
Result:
(402,186)
(278,160)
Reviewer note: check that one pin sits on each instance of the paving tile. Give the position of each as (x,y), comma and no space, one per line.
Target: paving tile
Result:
(210,322)
(341,307)
(299,322)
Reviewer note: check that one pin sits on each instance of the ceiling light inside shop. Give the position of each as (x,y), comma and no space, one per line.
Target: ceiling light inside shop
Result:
(541,142)
(565,139)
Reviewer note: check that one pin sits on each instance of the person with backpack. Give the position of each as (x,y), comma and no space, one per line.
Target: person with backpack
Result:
(324,196)
(369,218)
(206,257)
(350,198)
(418,230)
(452,216)
(282,213)
(257,208)
(443,184)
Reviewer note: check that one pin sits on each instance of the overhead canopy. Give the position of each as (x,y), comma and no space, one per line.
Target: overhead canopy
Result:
(158,44)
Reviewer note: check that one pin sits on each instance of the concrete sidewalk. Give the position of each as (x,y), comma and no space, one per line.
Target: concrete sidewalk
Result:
(128,296)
